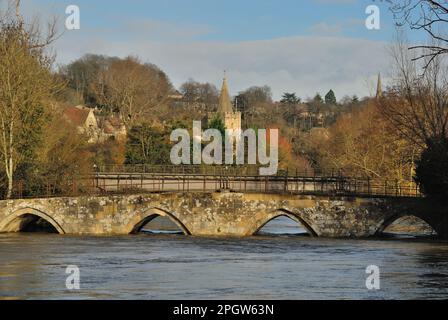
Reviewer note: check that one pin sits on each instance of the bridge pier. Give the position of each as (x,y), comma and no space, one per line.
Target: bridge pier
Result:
(220,214)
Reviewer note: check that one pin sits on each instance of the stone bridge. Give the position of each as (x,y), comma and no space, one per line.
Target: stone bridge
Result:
(220,213)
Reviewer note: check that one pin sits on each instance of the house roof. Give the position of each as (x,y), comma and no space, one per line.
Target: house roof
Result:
(111,124)
(108,128)
(77,115)
(115,122)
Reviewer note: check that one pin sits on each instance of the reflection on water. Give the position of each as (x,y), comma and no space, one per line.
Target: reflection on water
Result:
(409,227)
(276,264)
(178,267)
(283,226)
(161,225)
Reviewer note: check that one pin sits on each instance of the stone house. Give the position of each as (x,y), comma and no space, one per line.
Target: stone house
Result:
(112,127)
(97,128)
(85,120)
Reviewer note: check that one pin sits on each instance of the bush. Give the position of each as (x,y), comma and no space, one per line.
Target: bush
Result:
(432,168)
(147,145)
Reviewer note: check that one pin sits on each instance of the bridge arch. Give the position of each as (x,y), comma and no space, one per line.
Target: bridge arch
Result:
(390,220)
(150,214)
(289,214)
(14,222)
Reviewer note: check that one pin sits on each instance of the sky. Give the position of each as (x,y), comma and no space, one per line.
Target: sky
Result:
(301,46)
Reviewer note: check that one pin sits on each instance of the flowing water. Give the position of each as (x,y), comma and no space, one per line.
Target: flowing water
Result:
(268,266)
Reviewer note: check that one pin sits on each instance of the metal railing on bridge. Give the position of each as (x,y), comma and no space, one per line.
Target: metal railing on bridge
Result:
(183,170)
(140,179)
(307,185)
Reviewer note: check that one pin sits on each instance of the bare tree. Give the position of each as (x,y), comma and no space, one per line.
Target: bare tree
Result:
(134,89)
(429,16)
(417,105)
(26,83)
(18,15)
(201,93)
(32,30)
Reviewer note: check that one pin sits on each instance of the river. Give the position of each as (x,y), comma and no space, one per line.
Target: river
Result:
(268,266)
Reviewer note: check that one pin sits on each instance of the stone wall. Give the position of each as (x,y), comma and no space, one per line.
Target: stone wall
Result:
(220,214)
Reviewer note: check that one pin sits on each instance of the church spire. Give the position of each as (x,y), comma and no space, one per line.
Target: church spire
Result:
(225,106)
(379,87)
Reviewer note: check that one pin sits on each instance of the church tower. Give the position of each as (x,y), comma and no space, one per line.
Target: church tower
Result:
(379,87)
(231,118)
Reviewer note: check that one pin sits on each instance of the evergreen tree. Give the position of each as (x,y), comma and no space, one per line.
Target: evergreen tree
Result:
(330,98)
(432,169)
(217,123)
(290,98)
(318,98)
(147,145)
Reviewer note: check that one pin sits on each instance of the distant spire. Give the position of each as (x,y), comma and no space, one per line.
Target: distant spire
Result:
(379,87)
(225,106)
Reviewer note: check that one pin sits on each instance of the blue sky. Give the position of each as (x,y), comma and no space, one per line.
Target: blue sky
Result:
(291,45)
(236,20)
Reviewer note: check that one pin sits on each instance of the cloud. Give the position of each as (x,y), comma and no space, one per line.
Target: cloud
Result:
(305,65)
(338,28)
(164,31)
(324,28)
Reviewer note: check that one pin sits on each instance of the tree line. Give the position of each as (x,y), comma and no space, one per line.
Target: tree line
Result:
(401,135)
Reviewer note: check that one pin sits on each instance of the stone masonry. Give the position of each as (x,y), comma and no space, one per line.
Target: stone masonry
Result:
(221,214)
